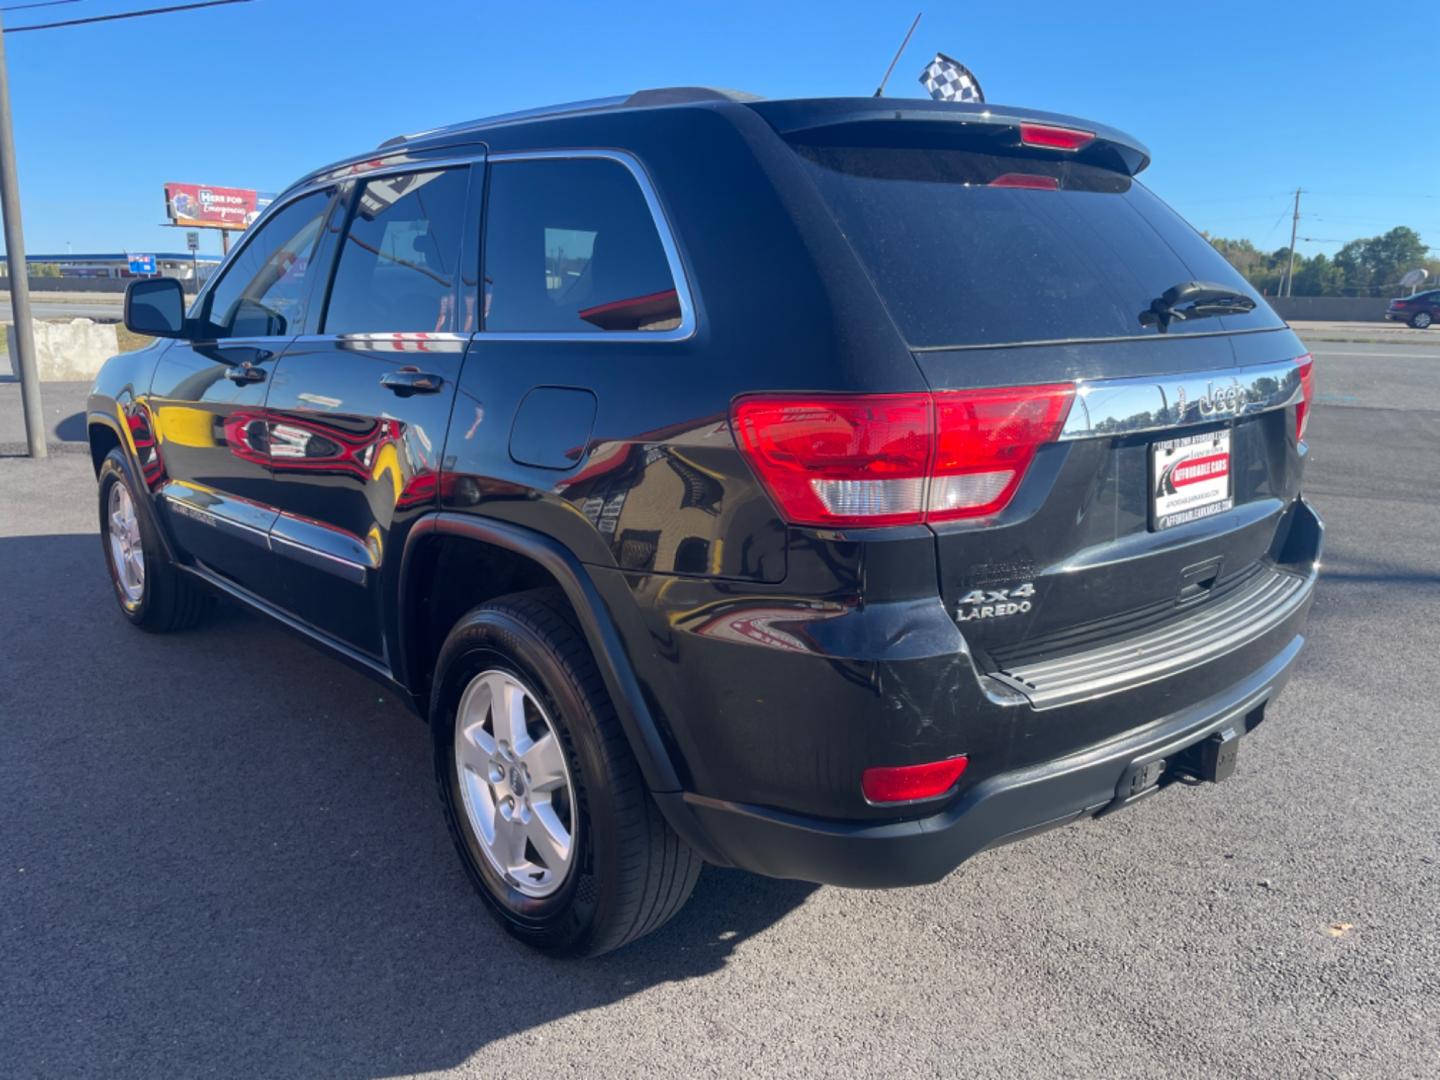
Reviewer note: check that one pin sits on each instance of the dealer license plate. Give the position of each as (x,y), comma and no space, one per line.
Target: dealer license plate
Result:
(1190,478)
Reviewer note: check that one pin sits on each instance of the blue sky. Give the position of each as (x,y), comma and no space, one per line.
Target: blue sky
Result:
(1240,103)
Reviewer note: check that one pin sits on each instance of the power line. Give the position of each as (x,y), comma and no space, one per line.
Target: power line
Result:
(123,15)
(23,359)
(39,3)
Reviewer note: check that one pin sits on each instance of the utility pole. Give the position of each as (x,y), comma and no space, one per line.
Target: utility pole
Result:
(24,358)
(1294,228)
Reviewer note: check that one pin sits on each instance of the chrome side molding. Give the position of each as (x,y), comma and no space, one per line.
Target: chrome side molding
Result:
(317,545)
(1107,407)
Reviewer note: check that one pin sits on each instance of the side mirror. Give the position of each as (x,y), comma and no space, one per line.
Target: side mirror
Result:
(156,307)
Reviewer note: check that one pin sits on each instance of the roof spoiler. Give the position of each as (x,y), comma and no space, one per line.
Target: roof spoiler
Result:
(836,118)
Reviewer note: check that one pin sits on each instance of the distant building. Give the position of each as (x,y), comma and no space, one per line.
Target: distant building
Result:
(117,265)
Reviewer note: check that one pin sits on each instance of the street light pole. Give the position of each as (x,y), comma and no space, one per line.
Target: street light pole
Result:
(24,358)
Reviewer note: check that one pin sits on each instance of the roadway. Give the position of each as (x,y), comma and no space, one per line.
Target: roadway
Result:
(222,854)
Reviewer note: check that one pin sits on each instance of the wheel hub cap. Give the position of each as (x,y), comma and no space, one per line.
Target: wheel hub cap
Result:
(127,554)
(515,783)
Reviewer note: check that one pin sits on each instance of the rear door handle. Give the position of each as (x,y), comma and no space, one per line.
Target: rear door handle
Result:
(245,373)
(411,380)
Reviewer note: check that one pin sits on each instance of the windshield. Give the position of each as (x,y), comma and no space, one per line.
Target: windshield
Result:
(973,248)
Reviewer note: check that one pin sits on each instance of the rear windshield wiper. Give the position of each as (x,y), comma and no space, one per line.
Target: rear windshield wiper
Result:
(1194,300)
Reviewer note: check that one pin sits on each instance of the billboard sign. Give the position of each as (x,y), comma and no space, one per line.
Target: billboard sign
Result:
(141,264)
(206,207)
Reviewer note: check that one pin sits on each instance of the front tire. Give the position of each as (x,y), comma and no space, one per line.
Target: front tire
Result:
(152,593)
(543,797)
(1421,320)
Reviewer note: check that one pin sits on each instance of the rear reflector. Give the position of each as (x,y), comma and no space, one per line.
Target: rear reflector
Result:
(897,459)
(1307,395)
(1055,138)
(907,783)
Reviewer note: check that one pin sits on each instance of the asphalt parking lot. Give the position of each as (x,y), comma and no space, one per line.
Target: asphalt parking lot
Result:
(221,855)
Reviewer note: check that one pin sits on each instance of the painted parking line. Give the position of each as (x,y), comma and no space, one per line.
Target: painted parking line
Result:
(1381,355)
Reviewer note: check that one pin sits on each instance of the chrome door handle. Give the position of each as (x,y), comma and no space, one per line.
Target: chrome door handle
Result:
(411,380)
(245,373)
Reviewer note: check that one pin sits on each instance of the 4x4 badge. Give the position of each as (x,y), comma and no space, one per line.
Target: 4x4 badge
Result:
(994,603)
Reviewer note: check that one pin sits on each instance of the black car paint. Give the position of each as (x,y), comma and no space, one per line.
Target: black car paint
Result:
(758,668)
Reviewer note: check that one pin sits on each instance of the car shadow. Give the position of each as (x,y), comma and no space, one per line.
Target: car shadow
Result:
(71,429)
(223,851)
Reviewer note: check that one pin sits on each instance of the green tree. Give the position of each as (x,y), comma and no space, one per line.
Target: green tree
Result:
(1366,267)
(43,269)
(1376,264)
(1319,277)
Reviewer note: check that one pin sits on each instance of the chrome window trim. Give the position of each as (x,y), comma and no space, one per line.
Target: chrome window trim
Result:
(309,186)
(351,172)
(687,327)
(1105,408)
(440,341)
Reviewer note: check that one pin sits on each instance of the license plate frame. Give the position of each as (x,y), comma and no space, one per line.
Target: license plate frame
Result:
(1191,478)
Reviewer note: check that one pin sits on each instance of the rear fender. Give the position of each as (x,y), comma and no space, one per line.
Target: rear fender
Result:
(595,622)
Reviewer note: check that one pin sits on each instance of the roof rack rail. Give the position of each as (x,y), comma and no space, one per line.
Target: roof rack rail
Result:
(640,99)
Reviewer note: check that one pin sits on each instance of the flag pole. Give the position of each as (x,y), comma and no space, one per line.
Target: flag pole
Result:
(880,90)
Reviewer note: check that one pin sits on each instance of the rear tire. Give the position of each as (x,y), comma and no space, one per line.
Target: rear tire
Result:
(152,593)
(1421,320)
(624,872)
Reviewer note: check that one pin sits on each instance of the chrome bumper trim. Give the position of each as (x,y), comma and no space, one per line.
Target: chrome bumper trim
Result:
(1210,632)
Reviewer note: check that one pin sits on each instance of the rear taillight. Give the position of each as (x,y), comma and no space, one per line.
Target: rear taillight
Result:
(1307,394)
(1055,138)
(897,459)
(907,783)
(985,440)
(840,460)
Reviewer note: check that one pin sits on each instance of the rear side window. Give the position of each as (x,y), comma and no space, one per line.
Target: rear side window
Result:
(974,248)
(401,255)
(571,247)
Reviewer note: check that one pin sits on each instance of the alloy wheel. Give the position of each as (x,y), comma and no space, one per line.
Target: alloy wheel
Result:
(515,783)
(127,553)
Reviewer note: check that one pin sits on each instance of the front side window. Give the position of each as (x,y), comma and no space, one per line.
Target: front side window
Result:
(401,255)
(264,290)
(571,247)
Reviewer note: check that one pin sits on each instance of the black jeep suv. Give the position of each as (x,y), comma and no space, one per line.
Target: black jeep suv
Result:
(828,488)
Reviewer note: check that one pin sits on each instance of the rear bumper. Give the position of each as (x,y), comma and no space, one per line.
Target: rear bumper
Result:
(1168,712)
(1001,809)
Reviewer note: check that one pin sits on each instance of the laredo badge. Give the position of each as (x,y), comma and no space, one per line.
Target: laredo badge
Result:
(994,603)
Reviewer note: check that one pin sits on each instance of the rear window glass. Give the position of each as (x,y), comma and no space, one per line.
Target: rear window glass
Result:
(971,248)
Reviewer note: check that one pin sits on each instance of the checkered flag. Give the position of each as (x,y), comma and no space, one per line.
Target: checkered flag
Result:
(950,80)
